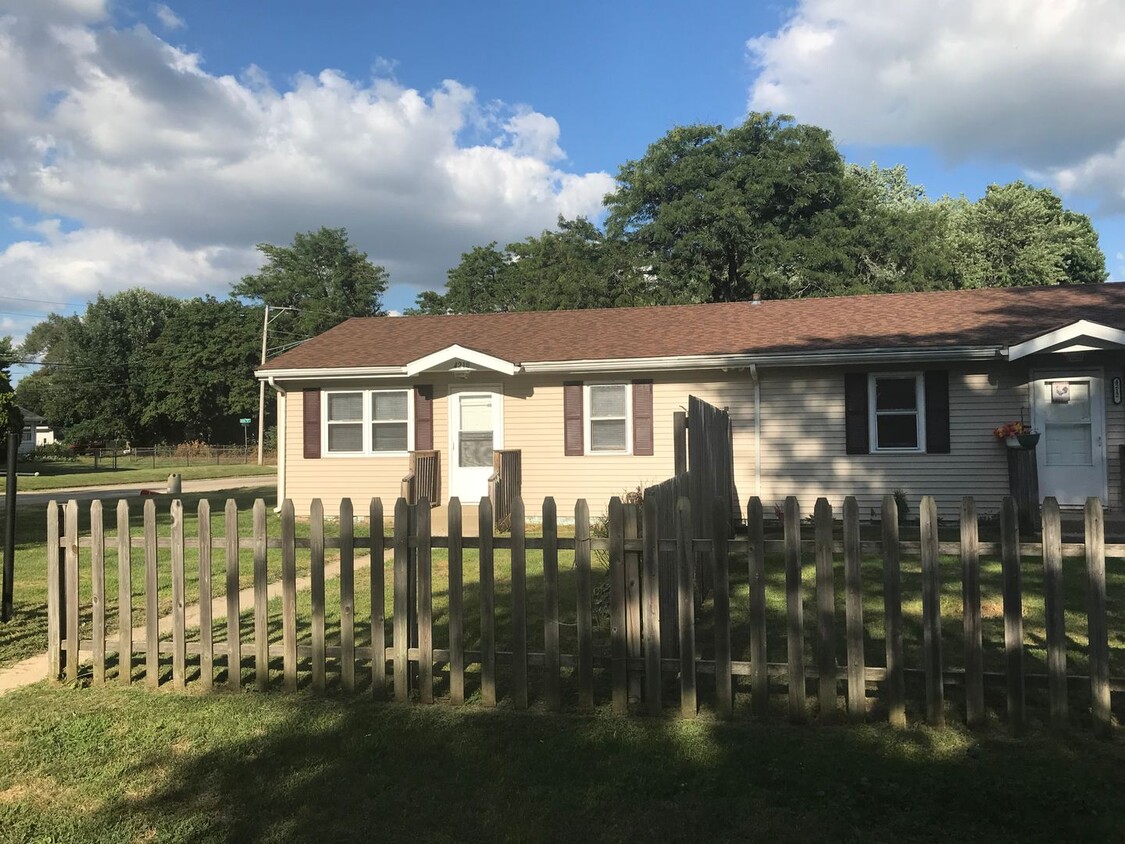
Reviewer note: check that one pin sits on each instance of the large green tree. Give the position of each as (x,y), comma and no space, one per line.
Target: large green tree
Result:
(201,377)
(1019,235)
(10,418)
(724,213)
(100,366)
(321,276)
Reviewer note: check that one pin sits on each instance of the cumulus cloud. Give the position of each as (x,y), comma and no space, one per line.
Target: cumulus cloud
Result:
(168,19)
(173,173)
(1037,83)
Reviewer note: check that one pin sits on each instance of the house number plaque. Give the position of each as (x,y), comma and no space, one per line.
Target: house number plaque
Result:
(1117,390)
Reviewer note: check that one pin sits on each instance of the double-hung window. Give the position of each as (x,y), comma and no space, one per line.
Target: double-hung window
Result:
(607,419)
(358,422)
(896,404)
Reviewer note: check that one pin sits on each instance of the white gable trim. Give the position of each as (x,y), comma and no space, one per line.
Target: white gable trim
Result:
(1080,336)
(456,352)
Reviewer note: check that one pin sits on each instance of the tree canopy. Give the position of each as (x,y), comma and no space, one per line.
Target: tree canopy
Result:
(321,276)
(770,208)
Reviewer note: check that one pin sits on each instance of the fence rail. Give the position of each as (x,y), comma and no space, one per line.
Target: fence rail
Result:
(639,663)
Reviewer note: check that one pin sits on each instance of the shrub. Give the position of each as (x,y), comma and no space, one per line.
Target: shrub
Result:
(193,449)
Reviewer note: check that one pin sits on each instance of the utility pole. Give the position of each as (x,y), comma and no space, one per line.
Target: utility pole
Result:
(262,392)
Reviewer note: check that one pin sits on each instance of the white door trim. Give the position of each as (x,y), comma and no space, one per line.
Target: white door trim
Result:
(1097,415)
(467,484)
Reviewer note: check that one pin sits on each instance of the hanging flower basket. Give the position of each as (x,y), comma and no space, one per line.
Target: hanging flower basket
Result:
(1017,435)
(1029,440)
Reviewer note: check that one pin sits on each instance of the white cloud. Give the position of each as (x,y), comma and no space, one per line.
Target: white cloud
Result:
(1037,83)
(170,167)
(168,19)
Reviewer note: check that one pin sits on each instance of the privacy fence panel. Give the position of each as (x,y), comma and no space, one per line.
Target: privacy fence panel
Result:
(529,619)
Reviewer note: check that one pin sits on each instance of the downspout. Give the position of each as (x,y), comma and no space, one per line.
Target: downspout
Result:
(757,430)
(281,441)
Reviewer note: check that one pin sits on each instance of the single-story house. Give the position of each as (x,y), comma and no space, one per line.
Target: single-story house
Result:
(36,432)
(854,395)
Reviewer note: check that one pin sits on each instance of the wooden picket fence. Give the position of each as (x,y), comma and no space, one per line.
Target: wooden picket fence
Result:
(641,670)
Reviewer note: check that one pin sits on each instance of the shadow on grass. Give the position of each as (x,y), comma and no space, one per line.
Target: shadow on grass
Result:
(299,768)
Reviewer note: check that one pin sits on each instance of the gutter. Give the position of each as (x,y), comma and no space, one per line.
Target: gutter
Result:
(672,362)
(757,430)
(281,441)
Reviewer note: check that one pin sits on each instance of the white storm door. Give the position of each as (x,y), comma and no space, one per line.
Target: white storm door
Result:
(1069,412)
(475,431)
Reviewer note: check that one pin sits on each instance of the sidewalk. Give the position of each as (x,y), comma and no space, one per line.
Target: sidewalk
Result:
(90,493)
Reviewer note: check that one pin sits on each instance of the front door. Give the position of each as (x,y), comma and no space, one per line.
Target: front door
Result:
(1068,409)
(475,430)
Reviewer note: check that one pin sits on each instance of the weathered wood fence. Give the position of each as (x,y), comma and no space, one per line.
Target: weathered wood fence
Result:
(644,667)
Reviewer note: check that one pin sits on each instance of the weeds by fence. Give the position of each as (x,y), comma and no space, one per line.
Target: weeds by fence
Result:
(645,666)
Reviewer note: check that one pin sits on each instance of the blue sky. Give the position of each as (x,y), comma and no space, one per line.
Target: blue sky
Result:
(154,144)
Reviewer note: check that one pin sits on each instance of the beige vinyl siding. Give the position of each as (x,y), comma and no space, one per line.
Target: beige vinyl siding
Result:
(803,451)
(802,429)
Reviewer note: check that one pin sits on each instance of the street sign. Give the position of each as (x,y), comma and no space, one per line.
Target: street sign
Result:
(244,421)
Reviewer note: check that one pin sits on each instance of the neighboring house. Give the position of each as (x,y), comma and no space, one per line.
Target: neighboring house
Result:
(36,432)
(852,395)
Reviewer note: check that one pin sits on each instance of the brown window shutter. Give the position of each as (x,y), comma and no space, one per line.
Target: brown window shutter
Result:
(936,389)
(573,433)
(857,434)
(423,417)
(642,418)
(312,424)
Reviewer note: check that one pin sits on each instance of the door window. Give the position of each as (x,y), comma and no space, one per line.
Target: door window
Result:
(475,431)
(1067,425)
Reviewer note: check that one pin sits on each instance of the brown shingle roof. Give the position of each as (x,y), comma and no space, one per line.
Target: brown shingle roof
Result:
(986,317)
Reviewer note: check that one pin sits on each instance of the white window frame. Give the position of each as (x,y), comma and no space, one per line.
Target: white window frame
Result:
(628,418)
(366,422)
(920,412)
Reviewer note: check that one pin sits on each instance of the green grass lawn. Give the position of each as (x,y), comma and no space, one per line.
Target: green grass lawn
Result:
(113,765)
(26,634)
(84,473)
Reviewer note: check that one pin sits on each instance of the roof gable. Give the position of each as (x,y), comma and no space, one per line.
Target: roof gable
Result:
(1080,336)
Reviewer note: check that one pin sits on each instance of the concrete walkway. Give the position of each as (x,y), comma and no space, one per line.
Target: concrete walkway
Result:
(33,669)
(115,491)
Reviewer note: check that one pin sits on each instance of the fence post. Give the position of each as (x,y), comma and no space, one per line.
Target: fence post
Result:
(853,585)
(795,612)
(825,609)
(288,595)
(685,569)
(759,670)
(679,442)
(931,613)
(1097,630)
(234,631)
(347,595)
(519,604)
(551,662)
(618,644)
(261,599)
(970,602)
(401,620)
(234,621)
(55,594)
(892,614)
(456,605)
(316,591)
(425,602)
(1054,611)
(179,633)
(1013,611)
(378,598)
(720,537)
(585,599)
(152,583)
(487,606)
(72,603)
(651,592)
(97,588)
(633,611)
(124,595)
(206,645)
